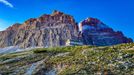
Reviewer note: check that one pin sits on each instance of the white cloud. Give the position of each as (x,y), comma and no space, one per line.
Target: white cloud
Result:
(6,3)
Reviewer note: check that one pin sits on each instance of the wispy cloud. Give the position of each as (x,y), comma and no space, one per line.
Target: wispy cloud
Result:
(6,3)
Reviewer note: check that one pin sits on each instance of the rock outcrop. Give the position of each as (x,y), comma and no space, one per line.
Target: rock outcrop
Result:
(55,29)
(45,31)
(95,32)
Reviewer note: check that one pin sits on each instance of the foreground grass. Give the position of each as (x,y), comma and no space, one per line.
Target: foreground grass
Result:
(72,60)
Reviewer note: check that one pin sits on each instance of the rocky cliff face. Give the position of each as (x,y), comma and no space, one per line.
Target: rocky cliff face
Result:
(55,29)
(97,33)
(45,31)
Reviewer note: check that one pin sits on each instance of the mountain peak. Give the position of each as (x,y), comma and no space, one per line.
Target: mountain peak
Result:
(55,29)
(47,30)
(56,12)
(57,18)
(91,21)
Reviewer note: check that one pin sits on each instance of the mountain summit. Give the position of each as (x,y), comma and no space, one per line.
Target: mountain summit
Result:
(45,31)
(56,29)
(97,33)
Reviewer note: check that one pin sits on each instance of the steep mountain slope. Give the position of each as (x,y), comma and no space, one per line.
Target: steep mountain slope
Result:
(56,29)
(95,32)
(45,31)
(71,60)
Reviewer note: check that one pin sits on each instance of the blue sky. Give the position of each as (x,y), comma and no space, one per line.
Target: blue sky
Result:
(118,14)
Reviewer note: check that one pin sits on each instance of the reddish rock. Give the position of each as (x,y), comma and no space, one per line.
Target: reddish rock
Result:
(45,31)
(56,28)
(95,32)
(14,27)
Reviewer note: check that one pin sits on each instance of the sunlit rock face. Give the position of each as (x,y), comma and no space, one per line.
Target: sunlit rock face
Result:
(50,30)
(45,31)
(95,32)
(92,24)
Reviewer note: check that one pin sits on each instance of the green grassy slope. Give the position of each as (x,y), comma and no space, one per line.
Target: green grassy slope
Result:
(71,60)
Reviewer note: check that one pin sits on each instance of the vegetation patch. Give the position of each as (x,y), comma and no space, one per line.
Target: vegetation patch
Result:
(72,60)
